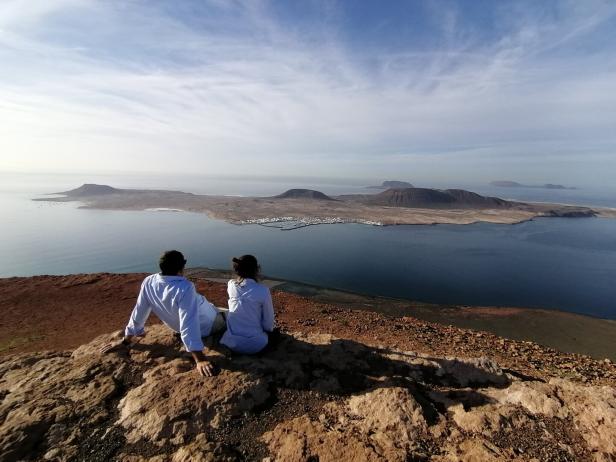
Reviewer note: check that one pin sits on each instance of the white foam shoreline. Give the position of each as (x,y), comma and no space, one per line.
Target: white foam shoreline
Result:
(291,223)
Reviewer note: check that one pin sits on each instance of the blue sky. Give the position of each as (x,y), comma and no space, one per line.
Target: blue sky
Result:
(422,90)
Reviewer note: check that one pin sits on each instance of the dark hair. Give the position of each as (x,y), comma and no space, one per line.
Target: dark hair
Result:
(246,267)
(171,262)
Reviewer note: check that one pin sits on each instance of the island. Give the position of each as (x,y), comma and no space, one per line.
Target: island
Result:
(515,184)
(297,208)
(392,184)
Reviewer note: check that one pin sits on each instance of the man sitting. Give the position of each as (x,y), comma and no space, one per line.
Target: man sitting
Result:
(175,301)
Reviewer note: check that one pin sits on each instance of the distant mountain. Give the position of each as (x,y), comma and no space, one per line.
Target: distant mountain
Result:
(90,189)
(555,186)
(304,194)
(435,198)
(93,190)
(392,184)
(507,184)
(514,184)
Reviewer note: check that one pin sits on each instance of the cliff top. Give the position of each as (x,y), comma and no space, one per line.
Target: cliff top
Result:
(339,385)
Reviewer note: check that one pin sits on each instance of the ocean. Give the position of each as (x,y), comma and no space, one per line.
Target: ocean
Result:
(556,263)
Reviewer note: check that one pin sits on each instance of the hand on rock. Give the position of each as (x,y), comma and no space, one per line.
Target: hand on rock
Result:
(206,368)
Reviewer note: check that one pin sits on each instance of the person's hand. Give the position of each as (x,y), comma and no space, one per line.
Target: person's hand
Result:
(206,368)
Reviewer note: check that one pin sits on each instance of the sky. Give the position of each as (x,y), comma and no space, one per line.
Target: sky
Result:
(437,90)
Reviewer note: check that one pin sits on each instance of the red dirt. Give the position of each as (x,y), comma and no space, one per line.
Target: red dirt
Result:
(63,312)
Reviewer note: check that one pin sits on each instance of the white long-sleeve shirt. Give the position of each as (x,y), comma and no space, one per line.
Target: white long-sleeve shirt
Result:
(177,304)
(250,317)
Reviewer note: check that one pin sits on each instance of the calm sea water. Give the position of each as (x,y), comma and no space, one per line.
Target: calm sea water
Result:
(568,264)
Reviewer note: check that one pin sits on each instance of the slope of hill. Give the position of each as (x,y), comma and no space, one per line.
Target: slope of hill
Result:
(90,189)
(311,396)
(434,198)
(338,384)
(304,194)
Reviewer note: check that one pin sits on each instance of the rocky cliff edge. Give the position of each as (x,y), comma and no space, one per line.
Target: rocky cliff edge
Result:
(312,397)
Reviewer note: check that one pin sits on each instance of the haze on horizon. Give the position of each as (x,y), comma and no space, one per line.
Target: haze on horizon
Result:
(437,90)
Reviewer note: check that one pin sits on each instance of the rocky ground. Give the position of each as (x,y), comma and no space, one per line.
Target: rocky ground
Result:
(312,397)
(340,385)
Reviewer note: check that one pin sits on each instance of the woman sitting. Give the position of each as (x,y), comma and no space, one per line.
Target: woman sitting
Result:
(251,313)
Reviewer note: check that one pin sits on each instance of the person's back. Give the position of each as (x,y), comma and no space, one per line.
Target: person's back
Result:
(164,294)
(164,291)
(172,298)
(175,301)
(251,313)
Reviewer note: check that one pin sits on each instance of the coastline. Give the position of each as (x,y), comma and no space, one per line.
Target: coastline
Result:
(308,211)
(420,217)
(563,330)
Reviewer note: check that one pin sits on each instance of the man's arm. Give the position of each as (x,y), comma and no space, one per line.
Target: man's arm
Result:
(190,331)
(139,316)
(136,323)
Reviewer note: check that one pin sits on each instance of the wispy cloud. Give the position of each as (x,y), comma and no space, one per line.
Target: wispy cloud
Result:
(237,87)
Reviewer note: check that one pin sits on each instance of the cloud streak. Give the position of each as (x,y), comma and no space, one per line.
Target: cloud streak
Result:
(227,87)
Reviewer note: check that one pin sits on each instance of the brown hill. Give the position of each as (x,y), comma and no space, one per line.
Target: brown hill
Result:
(93,192)
(90,189)
(304,194)
(435,199)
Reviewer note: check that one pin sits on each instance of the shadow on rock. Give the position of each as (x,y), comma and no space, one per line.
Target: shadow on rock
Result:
(312,397)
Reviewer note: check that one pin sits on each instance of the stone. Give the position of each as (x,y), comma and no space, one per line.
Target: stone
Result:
(472,450)
(472,371)
(382,424)
(170,405)
(51,390)
(593,410)
(201,450)
(536,397)
(390,413)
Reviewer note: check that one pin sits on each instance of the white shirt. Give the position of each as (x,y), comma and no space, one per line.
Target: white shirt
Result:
(251,315)
(177,304)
